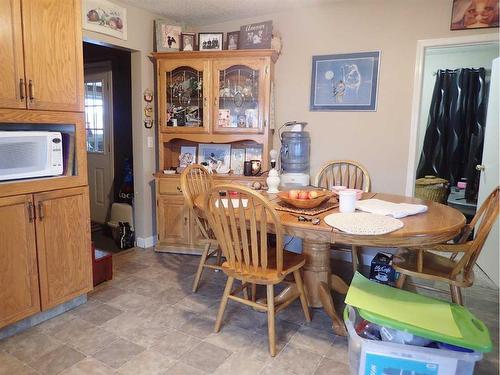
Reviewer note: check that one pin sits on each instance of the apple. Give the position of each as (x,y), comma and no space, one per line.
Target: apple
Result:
(303,195)
(313,194)
(293,194)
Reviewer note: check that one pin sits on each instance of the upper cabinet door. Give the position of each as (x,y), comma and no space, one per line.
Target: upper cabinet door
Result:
(12,81)
(19,294)
(184,95)
(241,95)
(53,54)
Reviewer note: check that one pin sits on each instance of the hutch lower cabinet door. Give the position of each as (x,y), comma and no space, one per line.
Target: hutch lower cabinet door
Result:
(63,242)
(173,220)
(19,293)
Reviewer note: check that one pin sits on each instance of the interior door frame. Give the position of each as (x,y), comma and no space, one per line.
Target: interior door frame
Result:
(422,46)
(105,67)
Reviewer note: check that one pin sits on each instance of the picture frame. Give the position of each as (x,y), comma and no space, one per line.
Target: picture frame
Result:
(468,14)
(256,35)
(187,156)
(213,153)
(253,153)
(105,17)
(232,40)
(188,41)
(224,119)
(212,41)
(345,82)
(237,160)
(167,36)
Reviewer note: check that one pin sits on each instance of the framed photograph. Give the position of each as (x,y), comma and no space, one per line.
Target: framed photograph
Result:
(168,37)
(218,156)
(345,82)
(253,153)
(210,41)
(105,17)
(224,120)
(252,120)
(188,41)
(474,14)
(237,160)
(232,39)
(256,35)
(187,156)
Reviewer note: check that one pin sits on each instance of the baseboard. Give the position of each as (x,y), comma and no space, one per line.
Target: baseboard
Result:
(145,242)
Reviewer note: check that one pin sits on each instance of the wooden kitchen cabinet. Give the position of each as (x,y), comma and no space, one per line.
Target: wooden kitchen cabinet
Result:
(19,292)
(48,34)
(173,220)
(63,243)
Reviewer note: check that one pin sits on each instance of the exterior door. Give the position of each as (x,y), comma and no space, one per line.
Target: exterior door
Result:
(490,179)
(98,126)
(52,34)
(63,242)
(19,295)
(12,80)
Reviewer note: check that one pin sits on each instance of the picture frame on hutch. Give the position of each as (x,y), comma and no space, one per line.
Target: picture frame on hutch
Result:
(167,36)
(210,41)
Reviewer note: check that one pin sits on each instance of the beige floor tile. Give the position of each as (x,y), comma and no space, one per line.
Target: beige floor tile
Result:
(314,340)
(180,368)
(206,357)
(130,301)
(328,366)
(196,303)
(172,317)
(147,363)
(89,366)
(96,312)
(57,360)
(65,331)
(30,345)
(232,338)
(200,327)
(174,343)
(239,364)
(295,359)
(92,340)
(124,324)
(9,365)
(118,353)
(338,351)
(106,292)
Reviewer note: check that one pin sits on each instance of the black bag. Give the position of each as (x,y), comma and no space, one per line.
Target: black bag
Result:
(126,238)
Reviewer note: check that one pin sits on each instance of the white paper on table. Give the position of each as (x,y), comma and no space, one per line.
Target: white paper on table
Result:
(396,210)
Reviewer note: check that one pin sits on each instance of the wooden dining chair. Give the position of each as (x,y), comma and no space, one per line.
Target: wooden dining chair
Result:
(196,180)
(241,225)
(350,174)
(457,269)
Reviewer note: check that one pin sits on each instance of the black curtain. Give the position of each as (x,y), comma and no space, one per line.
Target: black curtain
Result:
(453,143)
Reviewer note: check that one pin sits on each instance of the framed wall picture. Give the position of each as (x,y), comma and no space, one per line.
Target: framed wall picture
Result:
(253,153)
(105,17)
(474,14)
(210,41)
(167,36)
(187,156)
(237,160)
(217,156)
(233,38)
(345,82)
(188,41)
(256,35)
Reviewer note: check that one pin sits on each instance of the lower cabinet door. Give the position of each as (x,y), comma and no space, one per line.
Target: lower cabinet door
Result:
(19,293)
(173,220)
(63,241)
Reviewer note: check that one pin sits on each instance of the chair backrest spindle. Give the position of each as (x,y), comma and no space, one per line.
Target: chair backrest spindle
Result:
(344,173)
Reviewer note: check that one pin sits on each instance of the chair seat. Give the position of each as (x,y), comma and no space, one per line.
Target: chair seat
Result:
(435,266)
(291,262)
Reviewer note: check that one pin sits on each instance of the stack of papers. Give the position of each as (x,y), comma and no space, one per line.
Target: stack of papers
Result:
(396,210)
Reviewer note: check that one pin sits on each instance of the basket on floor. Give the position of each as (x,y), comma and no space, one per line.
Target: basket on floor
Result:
(432,188)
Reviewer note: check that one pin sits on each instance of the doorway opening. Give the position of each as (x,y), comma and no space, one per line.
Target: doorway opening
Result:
(108,122)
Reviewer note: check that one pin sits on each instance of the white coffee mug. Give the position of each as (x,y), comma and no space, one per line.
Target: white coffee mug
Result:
(347,201)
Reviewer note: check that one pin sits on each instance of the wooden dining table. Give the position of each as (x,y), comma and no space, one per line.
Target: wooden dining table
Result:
(439,224)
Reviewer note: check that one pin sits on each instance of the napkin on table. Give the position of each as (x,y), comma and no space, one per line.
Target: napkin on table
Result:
(396,210)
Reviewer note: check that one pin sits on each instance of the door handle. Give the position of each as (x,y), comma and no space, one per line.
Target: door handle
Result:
(22,89)
(31,90)
(480,167)
(41,213)
(31,212)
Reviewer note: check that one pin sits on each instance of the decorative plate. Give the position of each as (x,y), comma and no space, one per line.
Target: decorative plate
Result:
(362,223)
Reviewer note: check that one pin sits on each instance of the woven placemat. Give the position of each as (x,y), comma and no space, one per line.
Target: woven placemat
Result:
(328,205)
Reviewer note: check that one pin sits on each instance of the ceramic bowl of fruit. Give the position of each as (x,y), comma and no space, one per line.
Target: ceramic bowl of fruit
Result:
(305,198)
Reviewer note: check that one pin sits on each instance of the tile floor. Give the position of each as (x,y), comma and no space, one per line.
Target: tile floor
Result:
(147,321)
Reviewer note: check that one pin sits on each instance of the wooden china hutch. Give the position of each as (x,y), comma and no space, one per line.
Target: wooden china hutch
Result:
(208,98)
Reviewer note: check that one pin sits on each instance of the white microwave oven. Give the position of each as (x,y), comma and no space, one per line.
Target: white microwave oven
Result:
(29,154)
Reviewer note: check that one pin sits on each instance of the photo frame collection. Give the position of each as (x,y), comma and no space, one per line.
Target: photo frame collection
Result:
(171,38)
(221,157)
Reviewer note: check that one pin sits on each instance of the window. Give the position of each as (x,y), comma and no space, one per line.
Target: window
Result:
(94,116)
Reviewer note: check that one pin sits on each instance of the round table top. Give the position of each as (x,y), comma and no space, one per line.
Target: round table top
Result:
(439,224)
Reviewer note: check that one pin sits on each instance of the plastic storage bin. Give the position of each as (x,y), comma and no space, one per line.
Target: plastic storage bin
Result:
(369,357)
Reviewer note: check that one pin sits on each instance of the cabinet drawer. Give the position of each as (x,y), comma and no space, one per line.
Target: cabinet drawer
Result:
(169,186)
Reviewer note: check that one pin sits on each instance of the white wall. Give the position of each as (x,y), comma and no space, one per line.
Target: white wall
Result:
(449,58)
(140,42)
(380,139)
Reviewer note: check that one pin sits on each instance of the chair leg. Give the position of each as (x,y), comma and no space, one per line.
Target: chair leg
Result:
(303,298)
(401,281)
(245,293)
(456,295)
(219,256)
(271,329)
(254,292)
(355,259)
(223,303)
(200,267)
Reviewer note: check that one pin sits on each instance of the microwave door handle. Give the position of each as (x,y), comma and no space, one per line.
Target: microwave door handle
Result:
(41,213)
